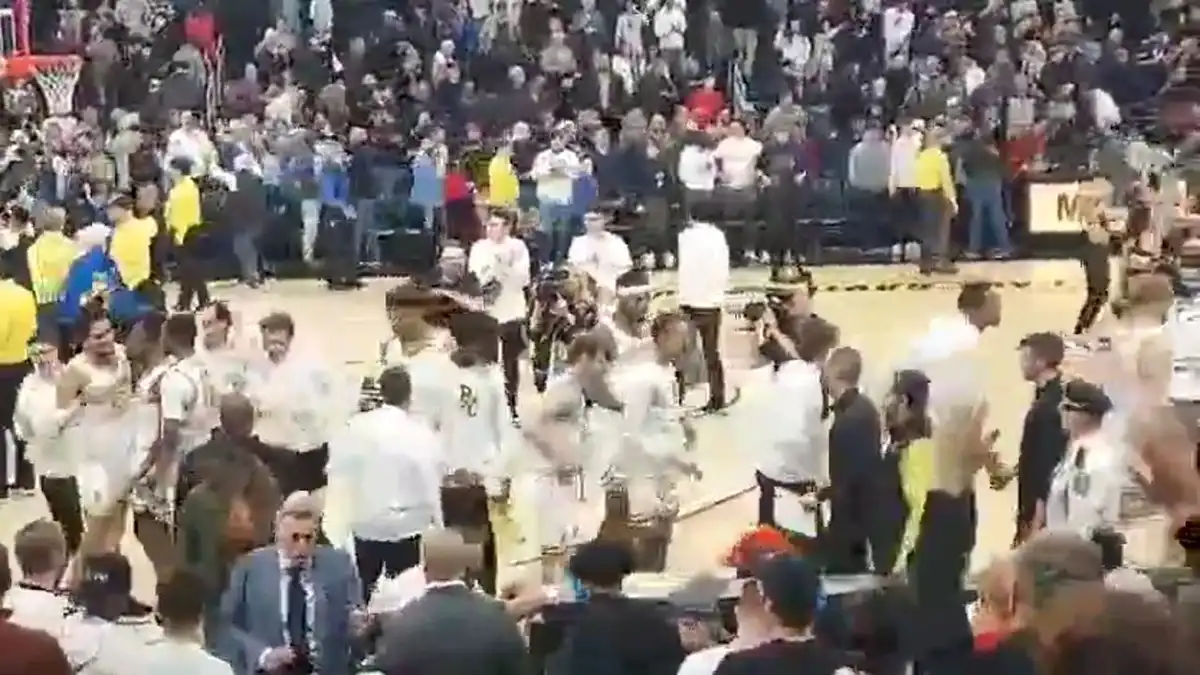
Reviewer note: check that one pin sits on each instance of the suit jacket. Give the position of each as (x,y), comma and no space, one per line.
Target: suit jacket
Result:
(252,605)
(30,651)
(451,629)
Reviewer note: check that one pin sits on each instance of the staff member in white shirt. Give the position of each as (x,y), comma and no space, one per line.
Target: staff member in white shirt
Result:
(792,466)
(180,609)
(601,255)
(555,169)
(703,279)
(500,263)
(394,460)
(1086,486)
(35,602)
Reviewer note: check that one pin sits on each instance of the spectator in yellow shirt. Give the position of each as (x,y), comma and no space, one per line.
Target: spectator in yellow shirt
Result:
(185,223)
(937,202)
(18,327)
(503,185)
(132,244)
(49,258)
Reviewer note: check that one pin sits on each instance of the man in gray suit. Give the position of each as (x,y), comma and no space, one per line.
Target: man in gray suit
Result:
(292,608)
(450,628)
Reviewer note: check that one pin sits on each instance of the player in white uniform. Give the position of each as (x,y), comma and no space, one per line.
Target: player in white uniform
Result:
(477,435)
(1132,361)
(174,404)
(222,351)
(558,451)
(420,343)
(93,403)
(658,437)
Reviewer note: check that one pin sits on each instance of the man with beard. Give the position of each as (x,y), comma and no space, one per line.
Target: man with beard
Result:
(297,404)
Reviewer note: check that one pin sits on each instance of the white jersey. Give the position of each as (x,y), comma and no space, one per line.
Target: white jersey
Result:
(429,368)
(654,441)
(475,424)
(99,432)
(185,396)
(564,403)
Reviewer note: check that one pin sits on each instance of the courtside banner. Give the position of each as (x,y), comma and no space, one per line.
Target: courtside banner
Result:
(1054,207)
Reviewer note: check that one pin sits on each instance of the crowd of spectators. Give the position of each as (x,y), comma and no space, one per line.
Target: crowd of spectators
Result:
(400,120)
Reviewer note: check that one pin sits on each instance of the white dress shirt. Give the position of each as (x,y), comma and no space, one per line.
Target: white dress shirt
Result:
(948,354)
(603,256)
(797,442)
(506,262)
(1086,487)
(395,463)
(898,25)
(703,272)
(697,168)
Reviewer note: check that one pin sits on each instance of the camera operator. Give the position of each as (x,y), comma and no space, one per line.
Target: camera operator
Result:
(564,305)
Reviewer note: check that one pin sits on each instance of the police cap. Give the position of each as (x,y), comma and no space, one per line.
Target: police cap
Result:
(1085,397)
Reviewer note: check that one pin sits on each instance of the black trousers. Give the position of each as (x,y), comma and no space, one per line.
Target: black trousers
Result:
(189,258)
(1097,276)
(377,558)
(937,567)
(512,343)
(12,448)
(62,496)
(465,508)
(707,321)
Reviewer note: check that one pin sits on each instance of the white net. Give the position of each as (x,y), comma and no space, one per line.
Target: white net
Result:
(57,82)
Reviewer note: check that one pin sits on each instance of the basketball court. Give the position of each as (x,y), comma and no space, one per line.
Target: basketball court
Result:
(346,328)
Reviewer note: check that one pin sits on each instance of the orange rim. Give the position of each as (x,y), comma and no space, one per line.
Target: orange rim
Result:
(25,67)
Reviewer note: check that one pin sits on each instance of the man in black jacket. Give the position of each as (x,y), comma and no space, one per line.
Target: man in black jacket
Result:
(1043,440)
(854,462)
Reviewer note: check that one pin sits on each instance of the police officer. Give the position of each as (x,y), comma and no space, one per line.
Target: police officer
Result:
(1085,487)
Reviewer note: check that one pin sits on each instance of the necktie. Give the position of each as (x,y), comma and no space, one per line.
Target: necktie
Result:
(297,611)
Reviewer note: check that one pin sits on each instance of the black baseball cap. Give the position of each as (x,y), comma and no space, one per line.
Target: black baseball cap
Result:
(106,577)
(790,583)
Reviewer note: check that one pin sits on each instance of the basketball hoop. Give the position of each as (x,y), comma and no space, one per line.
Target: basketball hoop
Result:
(56,77)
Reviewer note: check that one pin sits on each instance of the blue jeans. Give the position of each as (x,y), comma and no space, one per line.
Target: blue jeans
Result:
(245,247)
(986,197)
(554,227)
(366,226)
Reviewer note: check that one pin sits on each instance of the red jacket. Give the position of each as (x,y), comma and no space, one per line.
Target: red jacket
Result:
(704,105)
(27,652)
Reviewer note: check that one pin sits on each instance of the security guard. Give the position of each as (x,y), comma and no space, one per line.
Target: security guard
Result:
(1085,488)
(18,327)
(50,257)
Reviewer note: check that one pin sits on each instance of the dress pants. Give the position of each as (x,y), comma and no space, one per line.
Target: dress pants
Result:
(62,497)
(12,450)
(189,257)
(767,487)
(512,343)
(378,558)
(707,321)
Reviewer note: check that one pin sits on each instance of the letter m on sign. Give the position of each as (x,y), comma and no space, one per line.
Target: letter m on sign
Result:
(1067,208)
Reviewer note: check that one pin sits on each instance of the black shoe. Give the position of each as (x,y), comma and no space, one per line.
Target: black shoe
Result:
(713,408)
